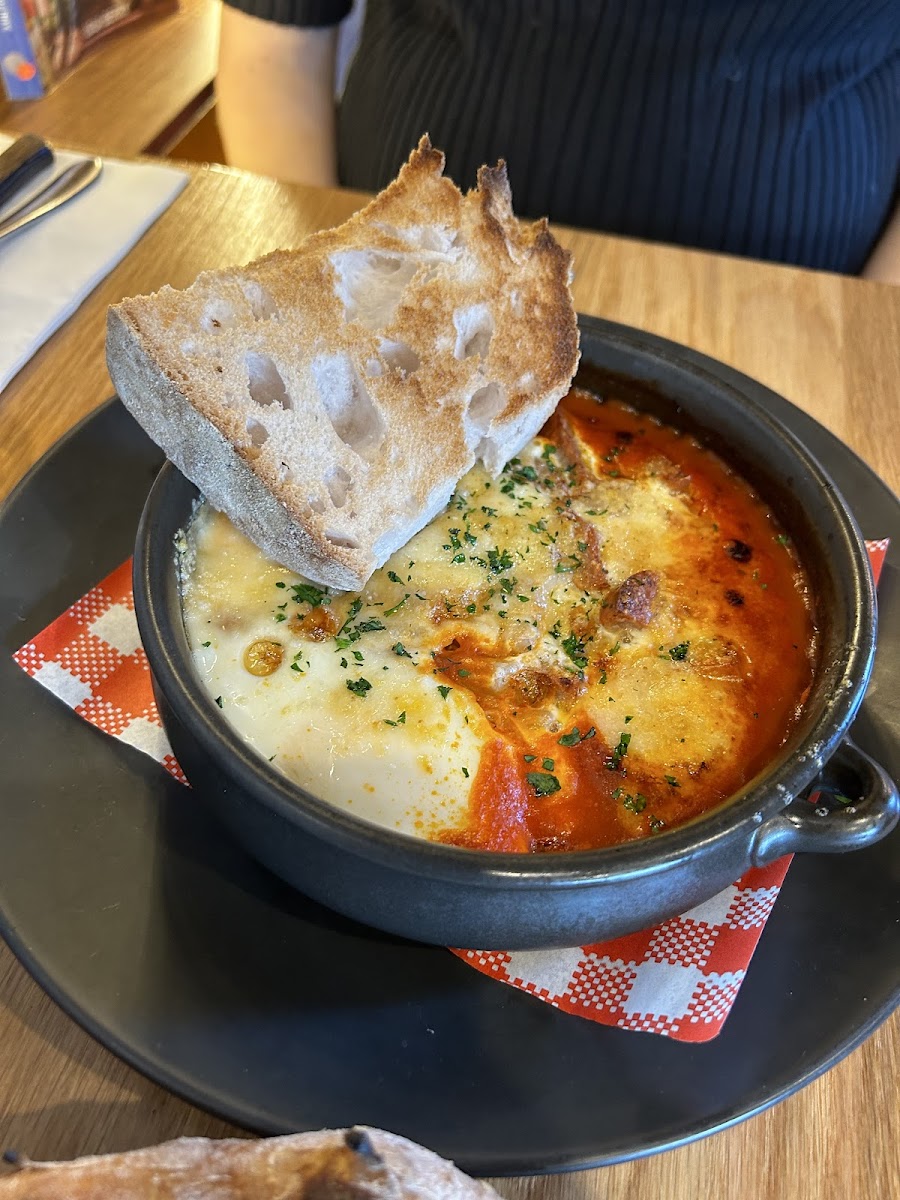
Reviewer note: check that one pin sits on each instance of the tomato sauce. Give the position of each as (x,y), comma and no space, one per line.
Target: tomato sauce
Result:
(578,781)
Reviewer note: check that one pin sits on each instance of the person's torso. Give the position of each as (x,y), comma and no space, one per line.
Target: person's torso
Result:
(767,129)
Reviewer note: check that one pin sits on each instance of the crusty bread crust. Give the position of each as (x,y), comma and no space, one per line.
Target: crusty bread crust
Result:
(354,1164)
(329,398)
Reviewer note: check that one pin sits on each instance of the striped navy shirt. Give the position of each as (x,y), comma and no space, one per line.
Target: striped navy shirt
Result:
(768,128)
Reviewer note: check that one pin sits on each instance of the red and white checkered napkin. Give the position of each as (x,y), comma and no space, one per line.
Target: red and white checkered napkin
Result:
(679,978)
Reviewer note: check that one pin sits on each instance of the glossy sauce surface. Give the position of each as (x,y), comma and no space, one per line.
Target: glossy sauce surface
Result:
(608,639)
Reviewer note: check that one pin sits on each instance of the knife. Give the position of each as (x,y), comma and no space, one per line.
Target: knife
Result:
(66,185)
(20,162)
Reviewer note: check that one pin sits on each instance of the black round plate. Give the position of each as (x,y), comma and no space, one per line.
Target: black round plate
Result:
(173,948)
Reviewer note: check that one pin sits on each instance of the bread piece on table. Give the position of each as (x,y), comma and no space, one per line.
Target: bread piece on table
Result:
(352,1164)
(329,398)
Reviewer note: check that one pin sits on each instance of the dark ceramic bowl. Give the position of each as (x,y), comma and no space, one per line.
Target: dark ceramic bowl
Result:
(471,898)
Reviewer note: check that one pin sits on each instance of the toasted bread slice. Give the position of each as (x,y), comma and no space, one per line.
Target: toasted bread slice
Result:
(329,398)
(362,1163)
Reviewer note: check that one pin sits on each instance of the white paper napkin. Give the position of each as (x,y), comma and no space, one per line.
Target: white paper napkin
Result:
(48,269)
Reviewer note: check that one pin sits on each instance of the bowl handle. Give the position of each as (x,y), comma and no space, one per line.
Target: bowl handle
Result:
(825,819)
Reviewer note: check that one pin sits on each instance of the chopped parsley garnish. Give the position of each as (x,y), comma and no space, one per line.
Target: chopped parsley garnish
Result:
(529,758)
(547,764)
(353,635)
(542,783)
(399,649)
(671,781)
(219,701)
(465,772)
(205,644)
(306,593)
(636,803)
(279,584)
(576,736)
(499,561)
(389,612)
(394,577)
(680,652)
(619,751)
(574,648)
(444,690)
(351,613)
(359,687)
(401,720)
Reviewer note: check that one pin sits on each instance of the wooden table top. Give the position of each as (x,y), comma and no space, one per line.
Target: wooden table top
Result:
(830,344)
(134,92)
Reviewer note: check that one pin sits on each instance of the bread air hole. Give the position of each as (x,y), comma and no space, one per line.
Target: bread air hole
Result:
(347,403)
(259,435)
(474,329)
(370,284)
(400,357)
(264,381)
(317,505)
(486,404)
(338,483)
(262,306)
(342,541)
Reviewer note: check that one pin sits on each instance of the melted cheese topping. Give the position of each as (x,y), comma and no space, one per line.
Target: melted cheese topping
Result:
(608,639)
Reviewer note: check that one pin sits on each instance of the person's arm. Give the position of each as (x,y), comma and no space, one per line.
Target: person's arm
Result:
(884,261)
(275,98)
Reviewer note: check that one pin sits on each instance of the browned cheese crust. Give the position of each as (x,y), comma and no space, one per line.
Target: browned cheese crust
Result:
(353,1164)
(329,398)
